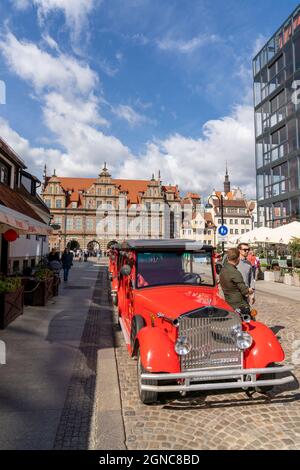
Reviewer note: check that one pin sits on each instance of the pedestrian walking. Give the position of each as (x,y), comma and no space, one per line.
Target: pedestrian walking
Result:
(245,268)
(235,291)
(67,262)
(53,255)
(254,260)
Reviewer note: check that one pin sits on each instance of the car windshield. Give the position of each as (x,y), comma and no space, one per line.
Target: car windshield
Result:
(191,268)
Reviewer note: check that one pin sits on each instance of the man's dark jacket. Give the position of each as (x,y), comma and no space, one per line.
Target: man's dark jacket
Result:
(233,286)
(67,260)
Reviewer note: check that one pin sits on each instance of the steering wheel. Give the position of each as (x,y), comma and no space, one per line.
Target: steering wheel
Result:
(192,278)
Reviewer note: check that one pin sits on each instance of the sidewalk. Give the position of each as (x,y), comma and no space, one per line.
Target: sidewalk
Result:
(278,289)
(43,347)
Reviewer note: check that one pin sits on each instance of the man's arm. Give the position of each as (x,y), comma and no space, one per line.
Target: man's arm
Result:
(237,279)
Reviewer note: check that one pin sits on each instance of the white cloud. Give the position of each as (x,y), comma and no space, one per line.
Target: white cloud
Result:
(199,164)
(66,90)
(34,157)
(75,11)
(186,46)
(21,4)
(51,42)
(130,115)
(43,70)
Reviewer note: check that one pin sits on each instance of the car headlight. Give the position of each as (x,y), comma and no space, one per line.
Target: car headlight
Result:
(182,346)
(243,340)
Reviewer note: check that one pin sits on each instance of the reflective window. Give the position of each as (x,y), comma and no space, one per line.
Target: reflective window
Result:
(292,134)
(69,223)
(289,63)
(174,268)
(294,174)
(295,209)
(296,21)
(287,32)
(297,53)
(259,154)
(260,187)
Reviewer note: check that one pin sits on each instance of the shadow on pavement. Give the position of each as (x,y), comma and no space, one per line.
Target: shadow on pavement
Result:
(76,419)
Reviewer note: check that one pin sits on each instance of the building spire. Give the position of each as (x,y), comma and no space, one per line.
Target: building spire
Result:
(226,181)
(105,171)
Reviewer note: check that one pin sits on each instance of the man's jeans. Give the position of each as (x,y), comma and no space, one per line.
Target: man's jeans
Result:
(66,272)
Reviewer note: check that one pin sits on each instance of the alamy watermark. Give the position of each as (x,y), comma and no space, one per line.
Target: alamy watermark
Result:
(149,220)
(2,353)
(2,92)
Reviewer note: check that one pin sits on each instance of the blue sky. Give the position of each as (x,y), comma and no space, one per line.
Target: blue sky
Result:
(142,84)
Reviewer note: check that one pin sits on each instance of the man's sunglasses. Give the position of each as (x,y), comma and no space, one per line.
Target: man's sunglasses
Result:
(245,249)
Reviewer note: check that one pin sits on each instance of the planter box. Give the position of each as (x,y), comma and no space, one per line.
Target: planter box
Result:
(11,306)
(296,280)
(55,285)
(269,276)
(288,279)
(37,293)
(278,277)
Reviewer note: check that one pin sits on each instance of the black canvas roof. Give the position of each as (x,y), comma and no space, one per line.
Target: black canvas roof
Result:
(164,245)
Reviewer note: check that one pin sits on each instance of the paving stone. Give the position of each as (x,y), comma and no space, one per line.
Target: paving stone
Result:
(220,420)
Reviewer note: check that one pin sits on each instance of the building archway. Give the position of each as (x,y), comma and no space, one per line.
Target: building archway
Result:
(93,246)
(112,242)
(73,245)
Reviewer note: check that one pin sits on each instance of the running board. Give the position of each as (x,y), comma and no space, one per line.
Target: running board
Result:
(124,331)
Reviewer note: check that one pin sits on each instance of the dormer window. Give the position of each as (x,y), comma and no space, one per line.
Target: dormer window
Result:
(4,173)
(74,205)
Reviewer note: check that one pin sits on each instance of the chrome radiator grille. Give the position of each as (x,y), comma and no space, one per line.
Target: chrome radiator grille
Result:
(212,340)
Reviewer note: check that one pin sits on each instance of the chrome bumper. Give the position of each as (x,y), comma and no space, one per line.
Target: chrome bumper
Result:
(207,375)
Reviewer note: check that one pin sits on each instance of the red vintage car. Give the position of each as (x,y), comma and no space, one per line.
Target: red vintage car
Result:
(183,333)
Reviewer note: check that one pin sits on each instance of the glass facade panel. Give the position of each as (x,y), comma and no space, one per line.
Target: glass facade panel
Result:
(297,53)
(294,174)
(289,64)
(278,149)
(292,134)
(295,208)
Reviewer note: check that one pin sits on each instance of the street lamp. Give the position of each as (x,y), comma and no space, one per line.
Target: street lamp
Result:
(210,206)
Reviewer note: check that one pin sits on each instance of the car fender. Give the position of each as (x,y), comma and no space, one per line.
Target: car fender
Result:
(265,348)
(157,351)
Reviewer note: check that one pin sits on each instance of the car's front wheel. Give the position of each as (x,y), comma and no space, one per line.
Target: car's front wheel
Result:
(146,396)
(266,388)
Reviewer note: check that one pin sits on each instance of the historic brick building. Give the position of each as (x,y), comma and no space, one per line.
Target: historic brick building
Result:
(93,211)
(239,212)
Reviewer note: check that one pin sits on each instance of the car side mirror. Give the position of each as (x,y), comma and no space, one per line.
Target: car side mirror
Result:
(218,268)
(125,270)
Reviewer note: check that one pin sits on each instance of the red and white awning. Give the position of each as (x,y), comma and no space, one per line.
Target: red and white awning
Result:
(21,223)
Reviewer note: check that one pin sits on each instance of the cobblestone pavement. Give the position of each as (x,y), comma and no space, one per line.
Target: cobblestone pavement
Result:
(76,421)
(218,420)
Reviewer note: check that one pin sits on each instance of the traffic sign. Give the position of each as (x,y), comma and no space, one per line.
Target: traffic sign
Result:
(223,230)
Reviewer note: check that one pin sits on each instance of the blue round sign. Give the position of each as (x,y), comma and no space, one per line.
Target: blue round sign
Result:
(223,230)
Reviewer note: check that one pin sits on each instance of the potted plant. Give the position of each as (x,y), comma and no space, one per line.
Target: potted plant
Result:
(263,266)
(39,289)
(294,249)
(11,299)
(287,277)
(277,274)
(296,277)
(269,276)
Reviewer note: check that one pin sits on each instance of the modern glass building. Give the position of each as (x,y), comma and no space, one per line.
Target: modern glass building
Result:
(276,71)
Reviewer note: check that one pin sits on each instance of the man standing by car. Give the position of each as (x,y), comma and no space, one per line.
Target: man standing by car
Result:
(235,291)
(67,262)
(246,270)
